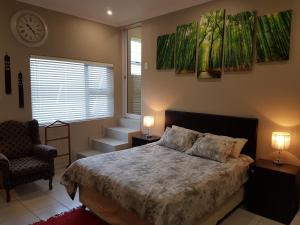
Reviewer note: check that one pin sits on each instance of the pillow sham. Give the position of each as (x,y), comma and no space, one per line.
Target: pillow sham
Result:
(239,143)
(178,139)
(189,130)
(212,148)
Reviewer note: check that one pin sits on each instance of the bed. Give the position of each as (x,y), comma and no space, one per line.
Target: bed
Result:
(155,185)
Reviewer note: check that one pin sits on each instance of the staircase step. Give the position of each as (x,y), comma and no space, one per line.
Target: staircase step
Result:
(124,129)
(111,141)
(121,133)
(87,153)
(130,123)
(109,144)
(116,138)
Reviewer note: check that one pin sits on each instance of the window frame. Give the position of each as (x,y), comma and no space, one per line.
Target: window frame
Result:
(87,91)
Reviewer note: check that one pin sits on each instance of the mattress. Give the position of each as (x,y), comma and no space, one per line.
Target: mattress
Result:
(161,185)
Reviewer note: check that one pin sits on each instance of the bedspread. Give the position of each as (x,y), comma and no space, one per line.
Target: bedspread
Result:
(162,186)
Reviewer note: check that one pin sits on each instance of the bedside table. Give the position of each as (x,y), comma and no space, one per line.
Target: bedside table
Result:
(142,140)
(272,191)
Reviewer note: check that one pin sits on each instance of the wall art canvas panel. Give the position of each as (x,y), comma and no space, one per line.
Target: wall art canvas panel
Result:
(210,44)
(239,41)
(185,50)
(273,37)
(165,52)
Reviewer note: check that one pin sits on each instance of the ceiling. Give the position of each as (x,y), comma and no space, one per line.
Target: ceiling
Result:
(125,12)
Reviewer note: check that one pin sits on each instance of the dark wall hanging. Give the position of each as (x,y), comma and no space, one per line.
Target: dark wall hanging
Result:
(21,90)
(7,75)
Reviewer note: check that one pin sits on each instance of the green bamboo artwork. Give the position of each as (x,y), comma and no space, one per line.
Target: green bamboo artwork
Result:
(273,36)
(239,41)
(210,44)
(165,52)
(185,50)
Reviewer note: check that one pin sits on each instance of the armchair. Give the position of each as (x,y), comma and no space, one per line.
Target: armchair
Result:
(23,158)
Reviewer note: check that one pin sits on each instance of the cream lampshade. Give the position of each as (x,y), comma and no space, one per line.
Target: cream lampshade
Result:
(280,141)
(148,122)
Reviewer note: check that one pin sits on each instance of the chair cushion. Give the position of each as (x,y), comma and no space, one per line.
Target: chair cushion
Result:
(15,140)
(27,165)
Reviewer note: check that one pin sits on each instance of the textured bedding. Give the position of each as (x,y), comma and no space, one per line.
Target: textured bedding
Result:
(162,186)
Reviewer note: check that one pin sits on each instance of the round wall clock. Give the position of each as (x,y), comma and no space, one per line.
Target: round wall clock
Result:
(29,28)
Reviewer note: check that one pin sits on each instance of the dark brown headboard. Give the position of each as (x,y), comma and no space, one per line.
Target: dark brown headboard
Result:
(238,127)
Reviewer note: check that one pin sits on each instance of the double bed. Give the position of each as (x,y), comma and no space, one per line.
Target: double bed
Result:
(155,185)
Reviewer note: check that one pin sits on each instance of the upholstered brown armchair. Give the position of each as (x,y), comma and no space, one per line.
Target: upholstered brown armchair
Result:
(23,158)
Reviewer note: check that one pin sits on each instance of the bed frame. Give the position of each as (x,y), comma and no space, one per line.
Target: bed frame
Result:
(111,212)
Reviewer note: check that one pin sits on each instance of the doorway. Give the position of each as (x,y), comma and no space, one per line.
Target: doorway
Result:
(134,71)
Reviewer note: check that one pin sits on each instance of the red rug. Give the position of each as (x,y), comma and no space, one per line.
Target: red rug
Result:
(77,216)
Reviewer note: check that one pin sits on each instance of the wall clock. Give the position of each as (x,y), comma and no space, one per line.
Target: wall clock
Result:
(29,28)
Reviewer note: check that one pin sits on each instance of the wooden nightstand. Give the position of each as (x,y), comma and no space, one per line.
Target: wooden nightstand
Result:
(272,191)
(142,140)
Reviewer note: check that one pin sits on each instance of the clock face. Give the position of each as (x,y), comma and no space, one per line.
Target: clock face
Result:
(29,28)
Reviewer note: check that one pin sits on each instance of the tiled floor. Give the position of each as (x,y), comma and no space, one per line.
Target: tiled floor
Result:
(33,202)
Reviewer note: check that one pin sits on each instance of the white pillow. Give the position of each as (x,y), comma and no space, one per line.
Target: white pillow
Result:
(189,130)
(178,139)
(212,148)
(239,143)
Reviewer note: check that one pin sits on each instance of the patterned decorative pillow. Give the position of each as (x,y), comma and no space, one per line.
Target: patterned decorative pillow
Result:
(212,148)
(163,137)
(179,140)
(239,143)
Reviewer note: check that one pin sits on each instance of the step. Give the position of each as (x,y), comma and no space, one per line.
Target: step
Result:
(121,133)
(130,123)
(108,144)
(87,153)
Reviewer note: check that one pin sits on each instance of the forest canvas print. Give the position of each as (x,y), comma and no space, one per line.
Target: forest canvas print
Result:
(165,52)
(210,44)
(239,41)
(185,50)
(273,36)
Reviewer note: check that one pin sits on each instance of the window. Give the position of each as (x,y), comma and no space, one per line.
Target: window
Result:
(70,90)
(136,57)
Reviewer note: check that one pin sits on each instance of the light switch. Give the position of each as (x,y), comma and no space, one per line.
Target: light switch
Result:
(146,66)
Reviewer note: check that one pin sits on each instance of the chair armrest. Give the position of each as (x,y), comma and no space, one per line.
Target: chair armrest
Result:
(4,163)
(45,151)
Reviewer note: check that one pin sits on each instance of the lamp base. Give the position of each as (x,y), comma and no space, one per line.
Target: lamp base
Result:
(148,136)
(277,162)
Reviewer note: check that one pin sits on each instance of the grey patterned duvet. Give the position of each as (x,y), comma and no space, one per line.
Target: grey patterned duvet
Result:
(161,185)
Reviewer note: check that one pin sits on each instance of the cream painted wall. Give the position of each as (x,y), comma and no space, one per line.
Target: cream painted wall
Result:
(69,37)
(270,92)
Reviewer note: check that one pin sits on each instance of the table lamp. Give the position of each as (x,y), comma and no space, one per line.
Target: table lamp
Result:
(280,141)
(148,122)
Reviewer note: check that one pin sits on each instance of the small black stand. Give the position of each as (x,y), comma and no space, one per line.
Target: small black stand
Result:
(21,90)
(7,75)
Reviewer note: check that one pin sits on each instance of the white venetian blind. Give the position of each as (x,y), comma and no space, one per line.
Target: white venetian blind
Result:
(70,90)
